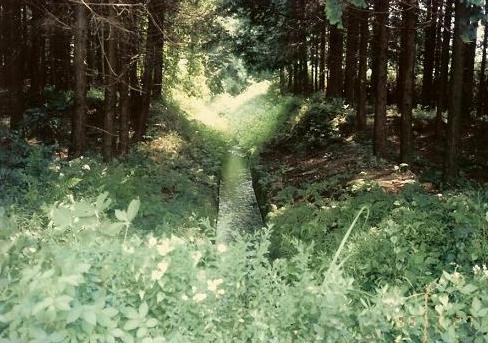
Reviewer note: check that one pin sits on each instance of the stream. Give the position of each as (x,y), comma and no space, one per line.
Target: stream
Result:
(238,208)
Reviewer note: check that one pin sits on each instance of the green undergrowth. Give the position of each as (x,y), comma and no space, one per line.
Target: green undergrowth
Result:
(174,173)
(90,277)
(410,240)
(409,237)
(126,252)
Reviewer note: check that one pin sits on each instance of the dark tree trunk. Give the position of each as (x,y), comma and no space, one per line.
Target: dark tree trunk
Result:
(381,10)
(78,121)
(322,62)
(351,73)
(110,87)
(408,52)
(456,96)
(362,73)
(468,82)
(482,76)
(36,65)
(147,81)
(442,97)
(429,53)
(125,81)
(158,52)
(60,47)
(14,61)
(335,81)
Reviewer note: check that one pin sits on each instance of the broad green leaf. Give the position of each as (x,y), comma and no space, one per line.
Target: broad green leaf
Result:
(143,309)
(141,332)
(121,215)
(133,209)
(131,324)
(103,202)
(90,316)
(151,323)
(61,217)
(113,229)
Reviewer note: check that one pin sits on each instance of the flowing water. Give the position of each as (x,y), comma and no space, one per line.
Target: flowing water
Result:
(238,207)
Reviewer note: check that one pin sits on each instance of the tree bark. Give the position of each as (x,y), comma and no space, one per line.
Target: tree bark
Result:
(481,109)
(468,87)
(429,53)
(456,97)
(351,72)
(442,98)
(78,121)
(125,81)
(15,51)
(110,87)
(147,81)
(381,9)
(408,52)
(322,62)
(36,66)
(335,82)
(362,73)
(158,51)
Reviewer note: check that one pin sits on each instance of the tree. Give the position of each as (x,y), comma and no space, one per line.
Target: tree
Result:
(362,72)
(409,15)
(351,72)
(429,52)
(381,10)
(456,96)
(111,85)
(148,76)
(335,82)
(444,66)
(482,94)
(78,121)
(14,61)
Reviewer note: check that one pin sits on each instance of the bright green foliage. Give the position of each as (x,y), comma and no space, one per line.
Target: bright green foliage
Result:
(171,173)
(94,288)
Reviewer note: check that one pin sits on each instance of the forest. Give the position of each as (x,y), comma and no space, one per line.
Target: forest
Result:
(243,171)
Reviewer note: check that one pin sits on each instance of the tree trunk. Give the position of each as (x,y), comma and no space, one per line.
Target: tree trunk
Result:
(429,53)
(456,96)
(125,81)
(362,73)
(468,87)
(59,47)
(351,73)
(381,10)
(442,97)
(322,62)
(110,86)
(147,81)
(78,121)
(14,63)
(408,52)
(335,81)
(482,76)
(36,66)
(158,52)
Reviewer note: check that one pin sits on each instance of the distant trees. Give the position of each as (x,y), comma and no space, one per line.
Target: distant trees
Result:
(369,52)
(117,47)
(412,56)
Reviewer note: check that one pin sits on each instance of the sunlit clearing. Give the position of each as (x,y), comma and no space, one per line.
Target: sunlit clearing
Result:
(169,144)
(218,112)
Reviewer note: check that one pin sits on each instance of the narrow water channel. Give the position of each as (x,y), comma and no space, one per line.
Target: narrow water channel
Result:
(238,207)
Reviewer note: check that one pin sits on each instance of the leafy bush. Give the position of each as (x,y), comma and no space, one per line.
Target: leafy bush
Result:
(78,282)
